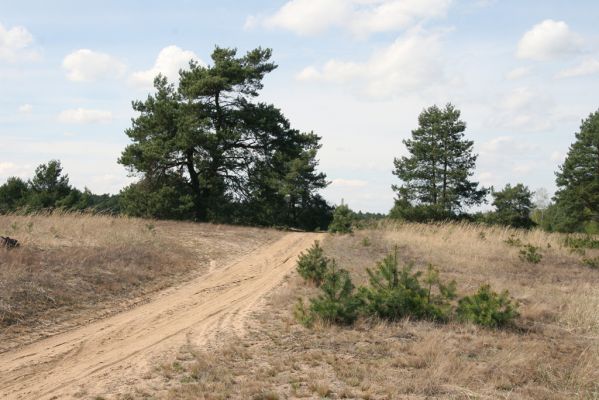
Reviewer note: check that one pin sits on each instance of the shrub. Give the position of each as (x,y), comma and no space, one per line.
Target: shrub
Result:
(343,220)
(394,294)
(487,308)
(313,265)
(513,241)
(581,242)
(531,254)
(336,304)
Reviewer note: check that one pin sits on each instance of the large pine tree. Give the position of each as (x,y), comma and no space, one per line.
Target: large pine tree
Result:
(207,150)
(437,172)
(578,178)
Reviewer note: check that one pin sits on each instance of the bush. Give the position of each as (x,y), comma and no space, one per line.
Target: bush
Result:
(343,220)
(336,304)
(531,254)
(513,241)
(313,265)
(487,308)
(581,242)
(394,294)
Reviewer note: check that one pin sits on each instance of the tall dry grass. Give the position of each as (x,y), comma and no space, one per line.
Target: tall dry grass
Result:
(77,266)
(553,353)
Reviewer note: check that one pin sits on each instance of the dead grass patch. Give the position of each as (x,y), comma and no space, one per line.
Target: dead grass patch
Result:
(79,266)
(554,353)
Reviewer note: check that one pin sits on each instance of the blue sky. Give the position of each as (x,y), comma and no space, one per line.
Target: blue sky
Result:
(356,72)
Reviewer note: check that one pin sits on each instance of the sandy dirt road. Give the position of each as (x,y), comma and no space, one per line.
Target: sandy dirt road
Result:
(109,356)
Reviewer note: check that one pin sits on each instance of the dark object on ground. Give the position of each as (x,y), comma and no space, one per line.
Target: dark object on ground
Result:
(8,243)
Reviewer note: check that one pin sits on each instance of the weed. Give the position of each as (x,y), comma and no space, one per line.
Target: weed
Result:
(366,241)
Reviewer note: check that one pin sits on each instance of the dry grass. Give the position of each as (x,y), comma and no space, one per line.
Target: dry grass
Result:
(553,354)
(75,267)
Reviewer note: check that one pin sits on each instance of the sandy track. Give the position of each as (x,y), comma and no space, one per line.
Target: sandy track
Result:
(110,355)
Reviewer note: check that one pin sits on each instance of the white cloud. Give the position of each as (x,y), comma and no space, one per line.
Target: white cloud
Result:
(525,109)
(587,67)
(8,169)
(518,73)
(506,144)
(85,65)
(411,62)
(84,116)
(487,178)
(353,183)
(361,17)
(25,109)
(15,44)
(168,63)
(548,40)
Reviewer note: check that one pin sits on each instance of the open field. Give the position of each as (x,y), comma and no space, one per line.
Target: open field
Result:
(552,353)
(72,269)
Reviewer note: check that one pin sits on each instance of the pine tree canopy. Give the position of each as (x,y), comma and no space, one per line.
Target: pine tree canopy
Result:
(438,170)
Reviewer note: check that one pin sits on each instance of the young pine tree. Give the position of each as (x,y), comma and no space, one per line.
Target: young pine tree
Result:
(437,172)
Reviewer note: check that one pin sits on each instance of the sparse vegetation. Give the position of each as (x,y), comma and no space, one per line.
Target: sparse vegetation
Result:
(379,359)
(72,265)
(530,254)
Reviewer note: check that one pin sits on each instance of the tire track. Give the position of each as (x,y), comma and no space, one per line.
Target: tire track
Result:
(106,356)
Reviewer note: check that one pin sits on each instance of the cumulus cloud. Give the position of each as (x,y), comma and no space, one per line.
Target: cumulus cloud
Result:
(361,17)
(413,61)
(26,109)
(587,67)
(84,116)
(15,44)
(85,65)
(8,169)
(525,109)
(506,144)
(168,63)
(549,40)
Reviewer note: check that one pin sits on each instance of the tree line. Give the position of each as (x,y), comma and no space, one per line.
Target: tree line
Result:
(436,180)
(207,149)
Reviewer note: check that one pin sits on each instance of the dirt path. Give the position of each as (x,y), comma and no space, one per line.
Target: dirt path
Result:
(109,356)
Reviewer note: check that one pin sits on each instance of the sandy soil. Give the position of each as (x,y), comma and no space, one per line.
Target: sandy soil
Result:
(108,356)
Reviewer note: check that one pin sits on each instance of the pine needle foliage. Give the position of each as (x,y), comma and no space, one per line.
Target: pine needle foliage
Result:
(487,308)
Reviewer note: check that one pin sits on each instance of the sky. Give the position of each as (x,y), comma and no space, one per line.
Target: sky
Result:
(356,72)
